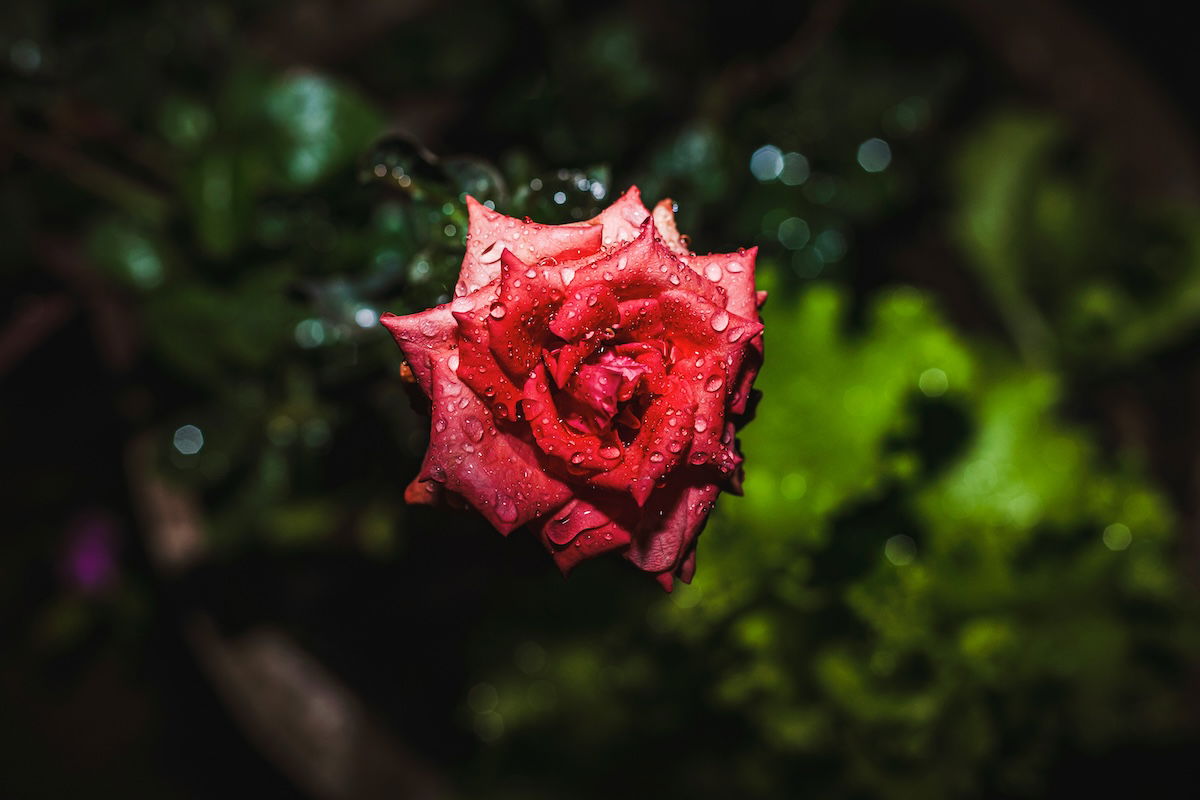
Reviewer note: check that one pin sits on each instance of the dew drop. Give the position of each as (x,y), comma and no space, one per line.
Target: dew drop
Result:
(735,267)
(452,362)
(698,458)
(713,383)
(591,301)
(657,457)
(674,279)
(712,272)
(498,311)
(577,458)
(506,509)
(719,321)
(531,273)
(610,451)
(608,276)
(440,425)
(701,425)
(735,335)
(473,427)
(568,275)
(675,447)
(437,473)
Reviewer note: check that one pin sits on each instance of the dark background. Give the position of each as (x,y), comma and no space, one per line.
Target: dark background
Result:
(203,203)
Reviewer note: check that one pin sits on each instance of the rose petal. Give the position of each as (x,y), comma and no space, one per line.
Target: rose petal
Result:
(641,319)
(563,361)
(644,268)
(664,438)
(664,221)
(671,521)
(587,309)
(520,318)
(490,232)
(477,367)
(587,527)
(622,221)
(733,272)
(502,476)
(581,451)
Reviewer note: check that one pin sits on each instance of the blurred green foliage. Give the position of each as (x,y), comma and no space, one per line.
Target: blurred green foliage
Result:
(901,617)
(936,582)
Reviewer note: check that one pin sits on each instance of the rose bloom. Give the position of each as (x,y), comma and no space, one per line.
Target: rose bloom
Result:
(587,381)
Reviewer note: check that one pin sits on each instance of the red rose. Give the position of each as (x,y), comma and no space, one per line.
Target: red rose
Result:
(587,381)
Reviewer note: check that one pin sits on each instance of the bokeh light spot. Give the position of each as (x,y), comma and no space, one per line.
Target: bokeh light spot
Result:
(795,170)
(1117,536)
(188,440)
(933,382)
(874,155)
(900,550)
(766,163)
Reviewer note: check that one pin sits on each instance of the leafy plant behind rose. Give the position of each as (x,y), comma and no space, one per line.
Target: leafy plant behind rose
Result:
(873,615)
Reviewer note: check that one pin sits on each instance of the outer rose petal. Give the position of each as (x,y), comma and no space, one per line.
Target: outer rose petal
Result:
(581,530)
(499,474)
(420,335)
(622,221)
(664,220)
(490,232)
(644,268)
(671,522)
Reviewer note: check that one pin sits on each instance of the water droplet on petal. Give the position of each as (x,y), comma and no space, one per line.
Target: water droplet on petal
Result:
(531,273)
(506,509)
(498,311)
(473,428)
(440,425)
(734,266)
(577,458)
(719,321)
(657,457)
(568,275)
(610,452)
(698,457)
(452,362)
(675,447)
(674,279)
(701,425)
(712,272)
(735,335)
(713,383)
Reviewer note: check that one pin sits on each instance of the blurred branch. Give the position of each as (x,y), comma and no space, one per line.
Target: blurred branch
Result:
(113,324)
(745,79)
(1058,54)
(99,179)
(306,720)
(324,31)
(30,325)
(298,713)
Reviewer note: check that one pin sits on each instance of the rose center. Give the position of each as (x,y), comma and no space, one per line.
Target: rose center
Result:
(605,392)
